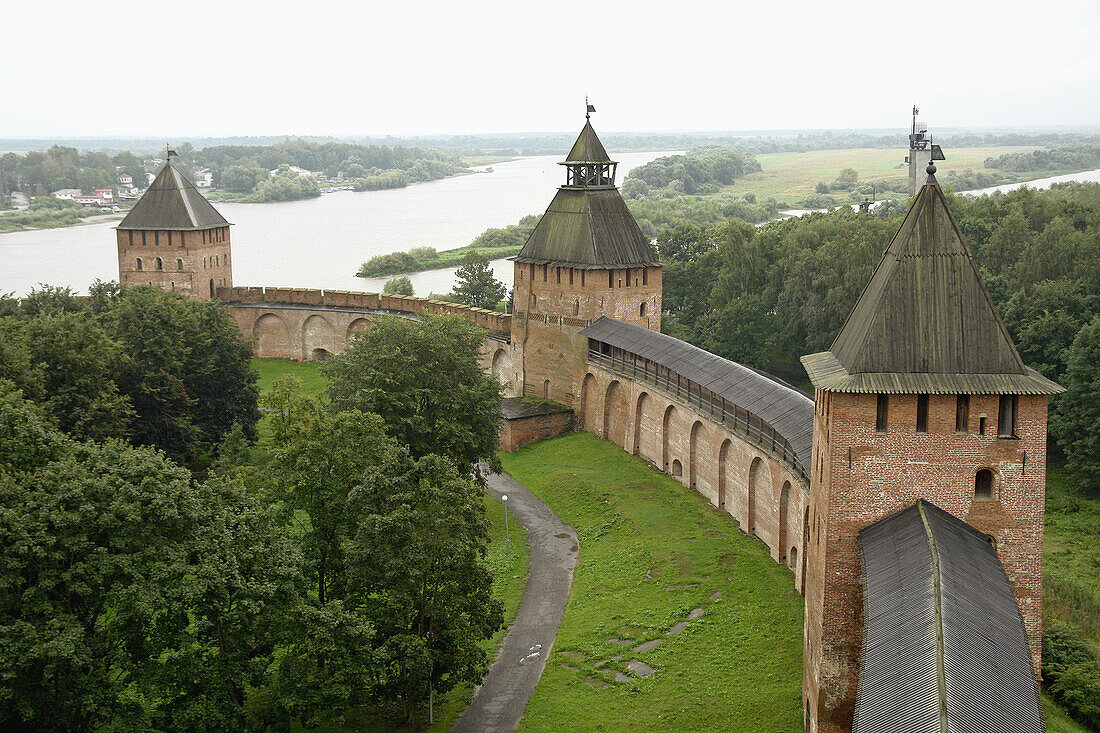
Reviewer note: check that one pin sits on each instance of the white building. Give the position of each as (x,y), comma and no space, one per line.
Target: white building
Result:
(66,193)
(204,178)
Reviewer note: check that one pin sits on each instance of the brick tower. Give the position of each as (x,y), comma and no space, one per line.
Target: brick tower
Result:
(586,258)
(921,396)
(174,238)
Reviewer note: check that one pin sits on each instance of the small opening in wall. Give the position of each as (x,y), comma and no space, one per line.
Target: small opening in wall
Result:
(641,310)
(922,413)
(882,413)
(1006,417)
(557,271)
(131,238)
(610,278)
(981,424)
(645,276)
(962,413)
(160,264)
(179,264)
(139,265)
(983,484)
(677,468)
(143,239)
(570,275)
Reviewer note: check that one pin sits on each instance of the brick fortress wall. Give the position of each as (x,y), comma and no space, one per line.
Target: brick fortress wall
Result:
(861,476)
(553,304)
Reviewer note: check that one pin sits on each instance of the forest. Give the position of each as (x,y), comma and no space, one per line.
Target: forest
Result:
(162,572)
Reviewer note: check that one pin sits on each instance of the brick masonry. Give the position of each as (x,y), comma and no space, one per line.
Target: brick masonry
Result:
(521,431)
(860,476)
(195,263)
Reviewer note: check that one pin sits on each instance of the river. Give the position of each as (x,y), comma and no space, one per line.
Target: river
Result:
(320,243)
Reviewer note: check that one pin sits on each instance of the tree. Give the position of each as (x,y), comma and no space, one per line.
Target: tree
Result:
(189,374)
(476,285)
(417,554)
(423,378)
(1077,412)
(399,286)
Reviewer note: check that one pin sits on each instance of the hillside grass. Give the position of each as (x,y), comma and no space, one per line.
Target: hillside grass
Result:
(509,570)
(651,551)
(1071,556)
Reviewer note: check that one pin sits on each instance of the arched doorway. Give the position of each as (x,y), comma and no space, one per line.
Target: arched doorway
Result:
(639,417)
(666,423)
(693,450)
(614,413)
(784,500)
(498,362)
(677,469)
(588,403)
(756,480)
(723,467)
(318,355)
(546,389)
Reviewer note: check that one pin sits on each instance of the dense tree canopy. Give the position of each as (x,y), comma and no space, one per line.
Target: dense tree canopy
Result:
(423,378)
(476,284)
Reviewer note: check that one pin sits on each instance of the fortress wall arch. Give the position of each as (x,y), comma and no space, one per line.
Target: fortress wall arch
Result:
(615,413)
(318,338)
(271,336)
(666,431)
(356,325)
(590,404)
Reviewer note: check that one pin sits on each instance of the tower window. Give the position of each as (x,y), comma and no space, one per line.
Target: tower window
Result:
(582,278)
(570,275)
(576,307)
(156,239)
(545,270)
(922,413)
(882,412)
(143,239)
(983,484)
(169,239)
(160,264)
(962,413)
(610,278)
(179,264)
(981,425)
(557,271)
(532,272)
(645,276)
(1006,417)
(139,265)
(641,310)
(131,238)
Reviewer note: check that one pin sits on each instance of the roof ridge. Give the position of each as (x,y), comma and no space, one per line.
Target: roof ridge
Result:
(937,602)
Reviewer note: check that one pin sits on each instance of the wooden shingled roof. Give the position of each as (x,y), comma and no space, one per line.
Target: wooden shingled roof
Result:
(925,323)
(587,148)
(588,227)
(172,203)
(944,645)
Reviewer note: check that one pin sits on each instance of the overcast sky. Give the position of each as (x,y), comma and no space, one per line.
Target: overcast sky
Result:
(217,68)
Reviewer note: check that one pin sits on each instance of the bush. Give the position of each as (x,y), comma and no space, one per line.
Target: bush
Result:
(388,264)
(1071,674)
(398,286)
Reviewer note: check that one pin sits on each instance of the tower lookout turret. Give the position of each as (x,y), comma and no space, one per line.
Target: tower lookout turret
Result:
(175,238)
(586,258)
(922,152)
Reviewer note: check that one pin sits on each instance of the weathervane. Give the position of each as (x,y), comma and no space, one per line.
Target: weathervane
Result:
(588,108)
(169,152)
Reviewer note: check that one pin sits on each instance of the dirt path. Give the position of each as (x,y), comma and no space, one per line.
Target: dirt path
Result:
(499,702)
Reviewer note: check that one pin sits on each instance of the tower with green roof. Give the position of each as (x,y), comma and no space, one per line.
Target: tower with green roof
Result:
(586,258)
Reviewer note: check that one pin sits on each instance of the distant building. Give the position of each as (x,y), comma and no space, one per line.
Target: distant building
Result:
(204,178)
(66,193)
(125,180)
(294,169)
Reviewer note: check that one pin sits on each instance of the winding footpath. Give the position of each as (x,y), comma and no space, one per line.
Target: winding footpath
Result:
(499,702)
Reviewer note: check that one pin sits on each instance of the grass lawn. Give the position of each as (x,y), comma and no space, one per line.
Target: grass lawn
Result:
(790,176)
(651,551)
(1071,556)
(313,382)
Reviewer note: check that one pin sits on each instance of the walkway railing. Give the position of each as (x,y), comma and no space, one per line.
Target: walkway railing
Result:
(741,422)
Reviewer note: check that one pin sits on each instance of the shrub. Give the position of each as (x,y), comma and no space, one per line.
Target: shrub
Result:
(1071,674)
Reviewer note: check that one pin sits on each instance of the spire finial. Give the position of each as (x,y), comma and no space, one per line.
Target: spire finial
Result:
(931,169)
(588,109)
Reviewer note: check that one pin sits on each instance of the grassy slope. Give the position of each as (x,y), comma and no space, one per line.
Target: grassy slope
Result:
(650,552)
(509,571)
(794,175)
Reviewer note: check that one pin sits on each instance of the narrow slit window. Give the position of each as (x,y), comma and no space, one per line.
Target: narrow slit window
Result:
(641,310)
(645,276)
(962,413)
(570,275)
(610,278)
(557,271)
(179,264)
(131,238)
(1006,417)
(139,265)
(981,425)
(143,239)
(882,413)
(922,413)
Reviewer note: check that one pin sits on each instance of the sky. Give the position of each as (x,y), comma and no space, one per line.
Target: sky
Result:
(415,68)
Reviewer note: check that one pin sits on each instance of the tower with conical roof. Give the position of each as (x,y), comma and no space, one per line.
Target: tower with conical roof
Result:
(175,238)
(586,258)
(921,396)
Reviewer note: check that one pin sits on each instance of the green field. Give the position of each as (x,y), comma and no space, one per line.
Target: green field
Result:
(651,551)
(790,176)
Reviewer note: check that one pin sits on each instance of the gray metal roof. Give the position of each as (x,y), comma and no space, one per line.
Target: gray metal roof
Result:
(782,406)
(944,646)
(925,311)
(588,148)
(172,202)
(589,228)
